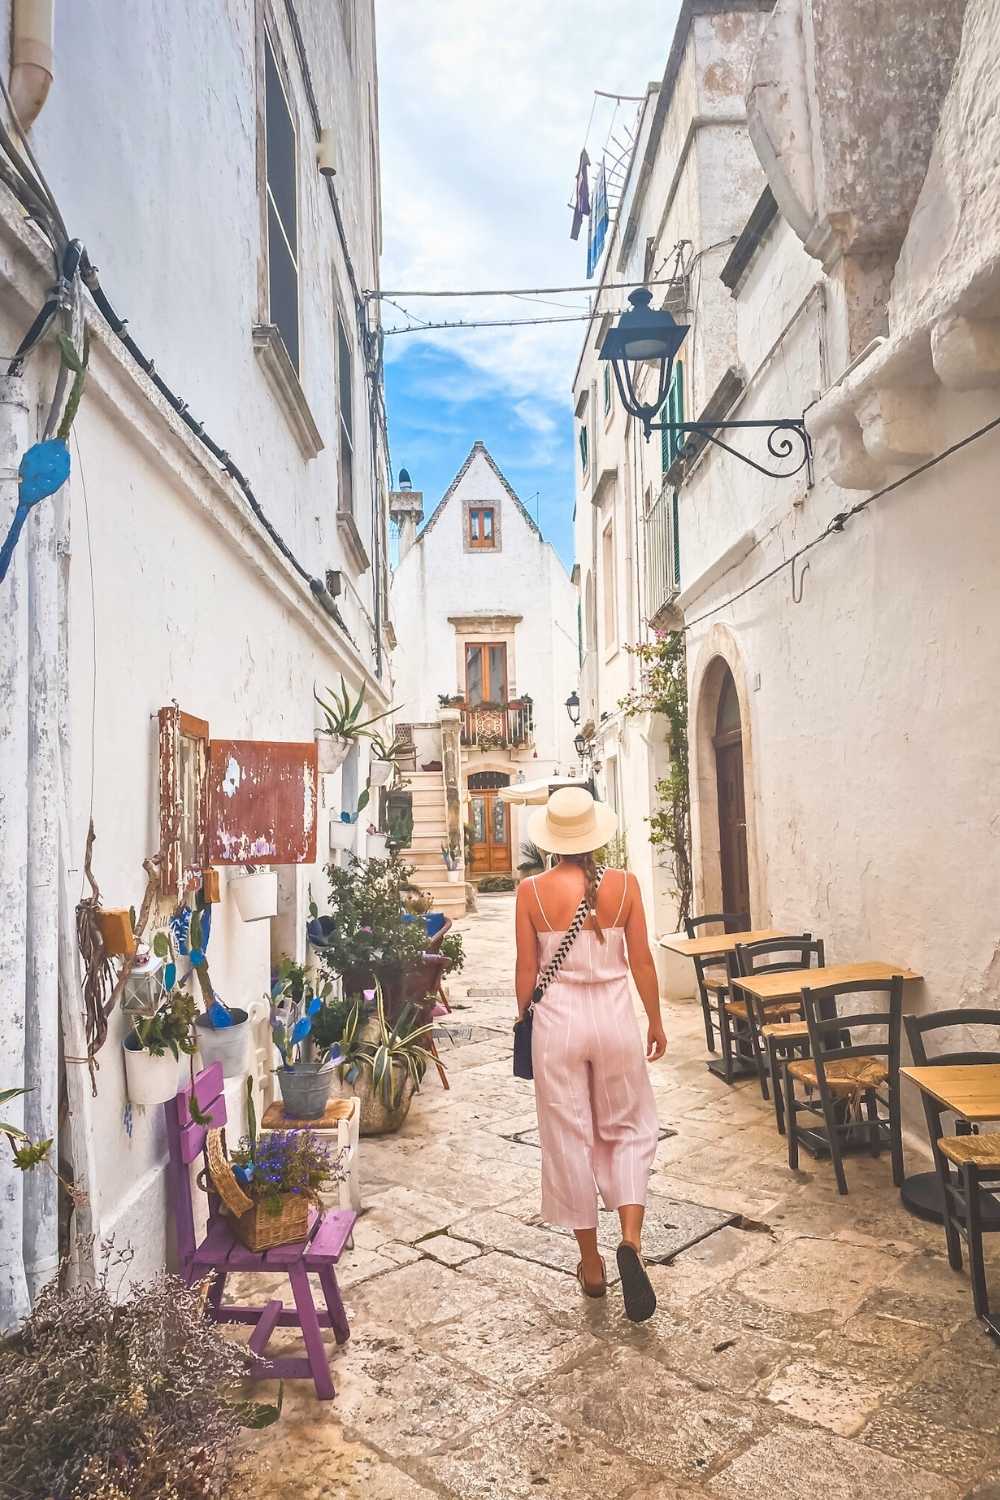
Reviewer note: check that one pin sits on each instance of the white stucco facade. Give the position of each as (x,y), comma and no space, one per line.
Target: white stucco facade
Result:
(692,181)
(447,595)
(148,580)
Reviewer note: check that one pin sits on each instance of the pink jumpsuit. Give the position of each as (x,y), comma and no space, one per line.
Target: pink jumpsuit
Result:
(596,1113)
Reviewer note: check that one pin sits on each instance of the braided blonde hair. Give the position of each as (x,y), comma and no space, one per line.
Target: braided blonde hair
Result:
(588,865)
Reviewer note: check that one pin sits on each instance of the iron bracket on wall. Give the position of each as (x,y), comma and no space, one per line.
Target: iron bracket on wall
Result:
(786,437)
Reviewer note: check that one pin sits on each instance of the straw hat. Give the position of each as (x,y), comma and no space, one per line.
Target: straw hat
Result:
(571,822)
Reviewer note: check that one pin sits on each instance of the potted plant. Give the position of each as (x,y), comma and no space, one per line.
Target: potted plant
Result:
(343,831)
(453,862)
(256,894)
(306,1072)
(153,1048)
(384,756)
(368,935)
(271,1181)
(344,725)
(382,1062)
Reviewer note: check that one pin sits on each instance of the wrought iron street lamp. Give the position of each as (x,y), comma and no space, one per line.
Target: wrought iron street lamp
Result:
(647,336)
(582,746)
(573,708)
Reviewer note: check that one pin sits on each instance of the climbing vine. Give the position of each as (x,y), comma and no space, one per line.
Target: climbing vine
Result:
(664,691)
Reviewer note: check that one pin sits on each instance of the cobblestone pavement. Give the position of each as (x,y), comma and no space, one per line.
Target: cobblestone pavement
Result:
(804,1343)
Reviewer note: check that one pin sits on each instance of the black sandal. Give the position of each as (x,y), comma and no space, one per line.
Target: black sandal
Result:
(637,1289)
(592,1291)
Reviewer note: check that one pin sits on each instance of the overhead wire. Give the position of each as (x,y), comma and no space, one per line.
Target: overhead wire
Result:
(839,521)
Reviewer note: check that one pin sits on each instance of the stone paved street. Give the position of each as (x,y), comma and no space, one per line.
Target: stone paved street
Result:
(804,1343)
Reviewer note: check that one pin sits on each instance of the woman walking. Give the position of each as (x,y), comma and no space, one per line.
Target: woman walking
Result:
(596,1115)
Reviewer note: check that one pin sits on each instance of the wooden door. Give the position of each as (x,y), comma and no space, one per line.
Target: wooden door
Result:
(489,816)
(732,802)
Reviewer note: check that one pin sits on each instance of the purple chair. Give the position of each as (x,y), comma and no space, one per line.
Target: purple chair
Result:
(221,1252)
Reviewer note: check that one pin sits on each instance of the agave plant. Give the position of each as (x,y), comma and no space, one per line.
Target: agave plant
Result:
(343,716)
(392,1055)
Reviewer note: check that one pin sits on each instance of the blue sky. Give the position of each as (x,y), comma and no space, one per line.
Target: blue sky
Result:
(483,111)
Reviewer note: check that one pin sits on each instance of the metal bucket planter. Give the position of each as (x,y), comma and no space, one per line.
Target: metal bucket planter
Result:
(376,1117)
(256,895)
(225,1044)
(331,752)
(151,1080)
(305,1089)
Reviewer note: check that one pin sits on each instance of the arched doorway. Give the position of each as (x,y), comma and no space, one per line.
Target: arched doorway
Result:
(489,816)
(728,742)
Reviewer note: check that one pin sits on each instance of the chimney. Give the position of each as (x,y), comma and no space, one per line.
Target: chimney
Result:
(406,508)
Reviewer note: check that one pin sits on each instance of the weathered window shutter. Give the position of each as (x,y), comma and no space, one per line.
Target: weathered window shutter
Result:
(673,410)
(262,802)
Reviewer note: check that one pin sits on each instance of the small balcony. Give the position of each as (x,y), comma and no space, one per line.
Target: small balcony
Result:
(497,726)
(662,556)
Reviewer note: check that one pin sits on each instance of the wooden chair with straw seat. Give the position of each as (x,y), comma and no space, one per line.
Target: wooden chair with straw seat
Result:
(712,975)
(967,1164)
(848,1076)
(775,1029)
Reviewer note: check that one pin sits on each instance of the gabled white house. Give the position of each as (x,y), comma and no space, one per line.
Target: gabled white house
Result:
(486,619)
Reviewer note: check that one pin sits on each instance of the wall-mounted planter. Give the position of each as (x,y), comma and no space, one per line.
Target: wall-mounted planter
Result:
(225,1044)
(256,895)
(342,835)
(151,1080)
(116,932)
(378,845)
(331,752)
(379,771)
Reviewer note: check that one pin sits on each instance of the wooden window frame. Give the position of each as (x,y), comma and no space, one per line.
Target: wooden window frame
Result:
(269,45)
(485,647)
(473,508)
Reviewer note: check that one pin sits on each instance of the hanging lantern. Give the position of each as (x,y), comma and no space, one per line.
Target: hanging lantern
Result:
(145,988)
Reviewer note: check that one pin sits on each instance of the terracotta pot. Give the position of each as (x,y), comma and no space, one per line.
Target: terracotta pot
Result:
(376,1118)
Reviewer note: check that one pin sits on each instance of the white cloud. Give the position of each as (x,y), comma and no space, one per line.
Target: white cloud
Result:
(484,109)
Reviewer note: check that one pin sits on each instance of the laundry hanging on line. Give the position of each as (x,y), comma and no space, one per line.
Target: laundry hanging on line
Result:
(581,195)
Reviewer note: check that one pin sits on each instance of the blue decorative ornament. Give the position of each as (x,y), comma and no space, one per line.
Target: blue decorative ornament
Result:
(218,1015)
(180,926)
(301,1030)
(197,957)
(43,470)
(315,1005)
(170,977)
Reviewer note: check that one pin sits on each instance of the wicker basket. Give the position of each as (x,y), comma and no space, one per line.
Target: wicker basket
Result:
(255,1226)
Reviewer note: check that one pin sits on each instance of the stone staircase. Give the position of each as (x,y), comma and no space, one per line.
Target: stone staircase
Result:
(430,832)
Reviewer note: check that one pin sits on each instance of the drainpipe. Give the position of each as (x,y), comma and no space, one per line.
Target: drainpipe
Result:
(31,57)
(14,1303)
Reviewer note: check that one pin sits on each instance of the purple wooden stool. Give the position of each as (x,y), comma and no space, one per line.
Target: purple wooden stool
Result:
(221,1252)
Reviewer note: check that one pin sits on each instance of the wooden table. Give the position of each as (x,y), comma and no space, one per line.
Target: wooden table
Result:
(971,1090)
(718,945)
(788,985)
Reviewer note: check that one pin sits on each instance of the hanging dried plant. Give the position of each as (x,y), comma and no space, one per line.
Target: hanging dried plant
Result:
(98,971)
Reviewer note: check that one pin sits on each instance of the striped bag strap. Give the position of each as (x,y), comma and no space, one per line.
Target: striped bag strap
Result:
(569,937)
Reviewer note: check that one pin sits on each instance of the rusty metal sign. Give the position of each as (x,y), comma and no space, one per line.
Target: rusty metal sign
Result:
(262,802)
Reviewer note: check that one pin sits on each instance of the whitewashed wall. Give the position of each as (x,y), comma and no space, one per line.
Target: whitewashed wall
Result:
(169,589)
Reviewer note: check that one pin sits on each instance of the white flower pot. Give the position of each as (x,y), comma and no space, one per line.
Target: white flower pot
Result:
(331,752)
(378,845)
(256,895)
(342,835)
(225,1044)
(675,973)
(151,1080)
(455,877)
(379,771)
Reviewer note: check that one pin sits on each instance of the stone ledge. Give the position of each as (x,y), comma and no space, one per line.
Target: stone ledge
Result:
(269,347)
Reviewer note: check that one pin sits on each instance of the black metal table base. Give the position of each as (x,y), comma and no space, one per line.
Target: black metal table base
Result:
(740,1070)
(921,1195)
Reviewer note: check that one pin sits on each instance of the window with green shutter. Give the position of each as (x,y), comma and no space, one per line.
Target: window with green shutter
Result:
(584,448)
(672,410)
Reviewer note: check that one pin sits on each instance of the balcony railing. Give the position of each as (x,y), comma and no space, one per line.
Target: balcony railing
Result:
(662,561)
(498,726)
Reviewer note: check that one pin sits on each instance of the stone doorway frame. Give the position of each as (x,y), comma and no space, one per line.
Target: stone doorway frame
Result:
(717,651)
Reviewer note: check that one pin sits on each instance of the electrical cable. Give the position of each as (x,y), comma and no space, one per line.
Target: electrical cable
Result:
(93,639)
(839,521)
(376,294)
(502,322)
